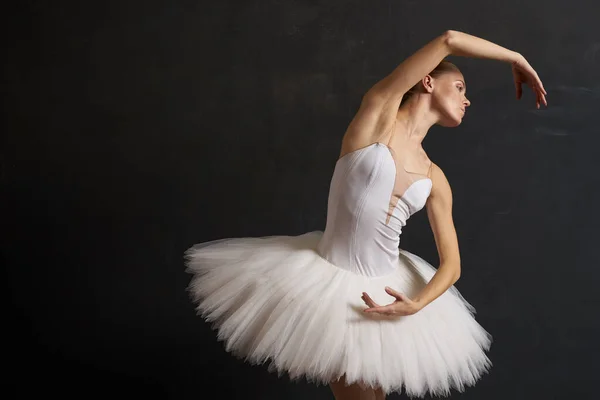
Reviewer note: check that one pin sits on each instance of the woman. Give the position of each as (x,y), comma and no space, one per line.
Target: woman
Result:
(298,302)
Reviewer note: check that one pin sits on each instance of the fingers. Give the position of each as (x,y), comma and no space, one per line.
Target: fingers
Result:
(540,95)
(387,310)
(376,308)
(519,89)
(392,309)
(395,293)
(538,90)
(524,73)
(392,292)
(541,86)
(368,300)
(538,82)
(399,307)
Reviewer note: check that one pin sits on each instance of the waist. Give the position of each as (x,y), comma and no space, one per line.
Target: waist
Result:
(368,258)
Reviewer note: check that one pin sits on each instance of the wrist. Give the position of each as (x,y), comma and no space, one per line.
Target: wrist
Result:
(418,304)
(515,58)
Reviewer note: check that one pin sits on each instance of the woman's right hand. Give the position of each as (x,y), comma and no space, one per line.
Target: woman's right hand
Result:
(523,73)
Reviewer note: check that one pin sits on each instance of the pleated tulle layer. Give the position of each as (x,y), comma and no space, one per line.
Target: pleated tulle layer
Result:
(275,300)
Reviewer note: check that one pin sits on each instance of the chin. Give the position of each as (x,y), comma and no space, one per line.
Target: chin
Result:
(450,122)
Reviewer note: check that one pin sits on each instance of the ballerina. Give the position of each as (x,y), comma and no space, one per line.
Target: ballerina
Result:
(298,302)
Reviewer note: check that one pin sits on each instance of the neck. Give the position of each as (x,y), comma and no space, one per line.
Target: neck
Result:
(415,118)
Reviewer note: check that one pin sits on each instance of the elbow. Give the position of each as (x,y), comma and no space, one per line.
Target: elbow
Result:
(457,274)
(449,38)
(455,267)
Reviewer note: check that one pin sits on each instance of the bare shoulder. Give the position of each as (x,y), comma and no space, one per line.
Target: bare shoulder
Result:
(379,105)
(440,186)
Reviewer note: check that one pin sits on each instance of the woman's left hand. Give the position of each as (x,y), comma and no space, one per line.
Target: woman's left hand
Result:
(401,306)
(523,73)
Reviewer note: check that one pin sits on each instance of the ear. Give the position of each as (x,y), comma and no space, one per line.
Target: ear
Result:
(427,82)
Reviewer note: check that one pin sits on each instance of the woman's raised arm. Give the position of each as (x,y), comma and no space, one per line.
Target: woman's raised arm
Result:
(392,88)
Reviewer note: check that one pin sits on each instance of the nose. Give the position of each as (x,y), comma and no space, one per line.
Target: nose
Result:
(467,102)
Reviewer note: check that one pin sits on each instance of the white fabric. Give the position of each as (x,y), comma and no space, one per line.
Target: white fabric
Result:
(357,236)
(295,301)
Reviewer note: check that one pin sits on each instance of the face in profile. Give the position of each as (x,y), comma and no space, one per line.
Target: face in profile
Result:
(449,98)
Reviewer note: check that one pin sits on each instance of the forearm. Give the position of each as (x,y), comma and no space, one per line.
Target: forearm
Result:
(441,281)
(465,45)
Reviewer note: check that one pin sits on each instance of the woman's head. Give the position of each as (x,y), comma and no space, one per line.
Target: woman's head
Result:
(447,88)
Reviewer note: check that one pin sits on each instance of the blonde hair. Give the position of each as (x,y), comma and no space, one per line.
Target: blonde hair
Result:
(442,68)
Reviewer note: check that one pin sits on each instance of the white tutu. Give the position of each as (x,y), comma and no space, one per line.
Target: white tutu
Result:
(275,299)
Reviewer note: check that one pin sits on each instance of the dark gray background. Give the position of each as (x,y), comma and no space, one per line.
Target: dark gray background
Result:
(133,130)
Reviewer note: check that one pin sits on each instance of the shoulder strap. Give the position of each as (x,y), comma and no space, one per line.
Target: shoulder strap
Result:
(429,171)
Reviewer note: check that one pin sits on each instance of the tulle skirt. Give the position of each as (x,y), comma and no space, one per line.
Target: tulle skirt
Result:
(275,300)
